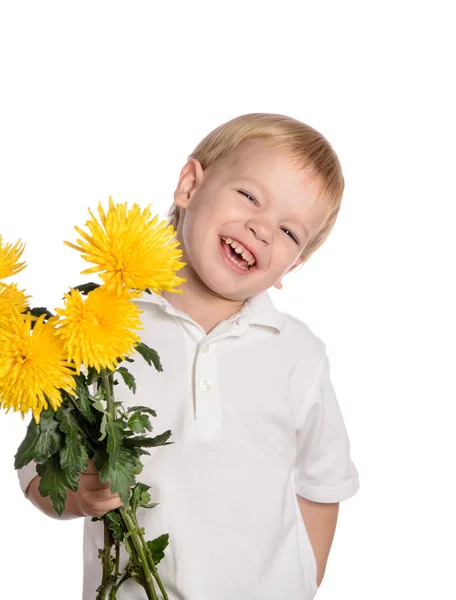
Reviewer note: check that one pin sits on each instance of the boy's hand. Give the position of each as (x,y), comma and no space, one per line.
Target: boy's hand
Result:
(93,498)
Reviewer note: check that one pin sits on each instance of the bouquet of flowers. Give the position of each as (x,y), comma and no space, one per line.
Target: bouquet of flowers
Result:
(63,367)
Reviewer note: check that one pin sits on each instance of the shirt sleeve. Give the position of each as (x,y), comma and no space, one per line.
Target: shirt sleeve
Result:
(323,470)
(26,475)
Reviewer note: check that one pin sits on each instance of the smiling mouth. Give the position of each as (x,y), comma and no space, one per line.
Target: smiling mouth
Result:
(238,254)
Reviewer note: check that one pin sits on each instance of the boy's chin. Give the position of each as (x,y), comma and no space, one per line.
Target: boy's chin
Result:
(224,287)
(227,293)
(225,290)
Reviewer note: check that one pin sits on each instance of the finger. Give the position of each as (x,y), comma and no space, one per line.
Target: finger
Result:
(99,509)
(100,495)
(93,482)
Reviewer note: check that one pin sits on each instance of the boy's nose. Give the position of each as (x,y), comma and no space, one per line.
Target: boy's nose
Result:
(261,229)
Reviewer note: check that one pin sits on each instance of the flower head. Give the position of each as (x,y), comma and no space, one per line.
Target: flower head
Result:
(9,256)
(12,301)
(131,249)
(33,366)
(100,329)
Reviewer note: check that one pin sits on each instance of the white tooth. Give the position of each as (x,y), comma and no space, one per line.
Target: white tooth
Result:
(246,255)
(238,264)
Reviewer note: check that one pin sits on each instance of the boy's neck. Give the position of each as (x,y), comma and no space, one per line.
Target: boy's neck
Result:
(204,308)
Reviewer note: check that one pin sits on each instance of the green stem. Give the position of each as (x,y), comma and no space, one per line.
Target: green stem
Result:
(141,554)
(117,564)
(150,560)
(115,589)
(106,552)
(144,557)
(102,593)
(115,586)
(110,406)
(105,561)
(108,541)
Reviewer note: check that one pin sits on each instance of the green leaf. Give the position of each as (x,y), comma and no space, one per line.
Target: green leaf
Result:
(140,497)
(40,310)
(50,435)
(134,570)
(144,409)
(149,355)
(103,431)
(157,547)
(82,400)
(127,377)
(115,525)
(148,442)
(41,441)
(101,459)
(86,288)
(26,451)
(122,475)
(136,493)
(73,455)
(114,430)
(85,407)
(81,383)
(139,423)
(55,481)
(92,375)
(99,406)
(139,451)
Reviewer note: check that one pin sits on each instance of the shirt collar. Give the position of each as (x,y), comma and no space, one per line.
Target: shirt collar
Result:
(261,311)
(258,310)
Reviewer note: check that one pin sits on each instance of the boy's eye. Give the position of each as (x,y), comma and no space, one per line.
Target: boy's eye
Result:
(287,232)
(248,196)
(291,235)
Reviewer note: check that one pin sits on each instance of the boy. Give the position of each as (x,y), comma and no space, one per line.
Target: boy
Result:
(249,491)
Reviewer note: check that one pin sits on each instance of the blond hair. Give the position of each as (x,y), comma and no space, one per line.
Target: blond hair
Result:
(306,146)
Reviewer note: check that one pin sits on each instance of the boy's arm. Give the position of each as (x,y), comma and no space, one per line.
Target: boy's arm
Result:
(44,504)
(320,520)
(93,498)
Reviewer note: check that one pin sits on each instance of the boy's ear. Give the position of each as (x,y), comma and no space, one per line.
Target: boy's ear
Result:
(190,178)
(301,260)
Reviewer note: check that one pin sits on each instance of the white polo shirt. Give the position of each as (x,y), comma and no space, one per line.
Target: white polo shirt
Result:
(255,420)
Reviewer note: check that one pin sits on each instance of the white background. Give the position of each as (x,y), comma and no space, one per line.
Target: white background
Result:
(109,98)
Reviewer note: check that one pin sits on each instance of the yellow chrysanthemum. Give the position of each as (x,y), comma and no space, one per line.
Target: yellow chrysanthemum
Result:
(12,300)
(131,249)
(33,366)
(99,329)
(9,256)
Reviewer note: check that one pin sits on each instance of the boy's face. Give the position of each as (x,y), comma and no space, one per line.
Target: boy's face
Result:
(254,199)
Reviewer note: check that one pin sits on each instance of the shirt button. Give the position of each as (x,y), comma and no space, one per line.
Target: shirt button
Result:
(205,349)
(205,385)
